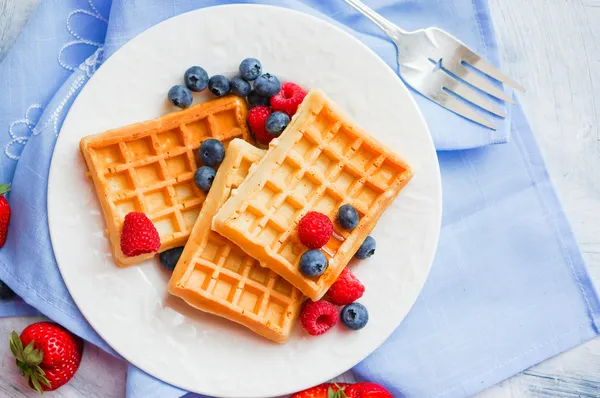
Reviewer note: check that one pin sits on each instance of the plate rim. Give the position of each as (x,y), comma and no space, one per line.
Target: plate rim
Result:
(314,19)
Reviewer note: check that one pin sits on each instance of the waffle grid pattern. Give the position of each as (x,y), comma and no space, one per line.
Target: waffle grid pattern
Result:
(215,275)
(149,168)
(329,163)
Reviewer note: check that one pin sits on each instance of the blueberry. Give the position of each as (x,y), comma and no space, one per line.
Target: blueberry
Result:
(250,69)
(180,96)
(313,263)
(203,178)
(6,292)
(267,85)
(254,99)
(196,78)
(219,85)
(276,123)
(169,258)
(240,87)
(212,152)
(347,216)
(354,316)
(367,249)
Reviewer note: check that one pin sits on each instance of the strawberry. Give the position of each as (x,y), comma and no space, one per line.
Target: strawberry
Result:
(47,355)
(315,229)
(139,235)
(4,213)
(326,390)
(367,390)
(257,117)
(347,289)
(288,99)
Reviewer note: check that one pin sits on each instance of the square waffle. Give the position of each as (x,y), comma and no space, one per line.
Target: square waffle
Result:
(321,161)
(216,276)
(149,167)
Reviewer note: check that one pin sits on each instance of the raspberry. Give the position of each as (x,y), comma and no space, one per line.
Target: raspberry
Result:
(314,229)
(347,289)
(139,235)
(317,317)
(257,117)
(288,99)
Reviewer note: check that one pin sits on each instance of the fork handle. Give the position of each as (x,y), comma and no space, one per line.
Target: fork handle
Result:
(387,26)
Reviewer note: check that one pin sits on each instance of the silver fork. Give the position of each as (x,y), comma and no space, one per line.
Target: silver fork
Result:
(443,69)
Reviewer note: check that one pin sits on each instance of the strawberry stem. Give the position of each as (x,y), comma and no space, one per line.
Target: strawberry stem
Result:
(28,361)
(4,188)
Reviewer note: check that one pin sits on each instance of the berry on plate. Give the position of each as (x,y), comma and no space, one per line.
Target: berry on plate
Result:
(180,96)
(169,258)
(276,123)
(367,249)
(257,117)
(47,355)
(196,78)
(240,87)
(4,213)
(317,317)
(354,316)
(288,99)
(347,289)
(219,85)
(314,230)
(139,235)
(267,85)
(212,152)
(313,263)
(326,390)
(250,69)
(254,99)
(347,216)
(366,390)
(6,292)
(204,177)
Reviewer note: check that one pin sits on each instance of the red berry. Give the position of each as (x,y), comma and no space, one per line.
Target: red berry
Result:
(288,99)
(4,214)
(347,289)
(317,317)
(54,350)
(139,235)
(367,390)
(322,391)
(257,117)
(315,229)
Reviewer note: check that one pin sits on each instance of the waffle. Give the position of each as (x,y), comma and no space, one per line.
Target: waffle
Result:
(216,276)
(321,161)
(149,167)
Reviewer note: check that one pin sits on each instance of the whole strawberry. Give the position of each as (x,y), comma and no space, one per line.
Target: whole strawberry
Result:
(367,390)
(343,390)
(326,390)
(347,289)
(139,235)
(47,355)
(4,213)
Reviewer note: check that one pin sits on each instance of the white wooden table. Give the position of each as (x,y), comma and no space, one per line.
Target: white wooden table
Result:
(553,48)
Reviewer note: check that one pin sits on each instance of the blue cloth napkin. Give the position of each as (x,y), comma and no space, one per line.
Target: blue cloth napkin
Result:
(508,287)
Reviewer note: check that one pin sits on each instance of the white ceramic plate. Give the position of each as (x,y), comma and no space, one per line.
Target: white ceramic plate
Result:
(130,307)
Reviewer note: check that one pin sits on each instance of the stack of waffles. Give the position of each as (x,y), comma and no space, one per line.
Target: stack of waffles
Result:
(217,276)
(241,259)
